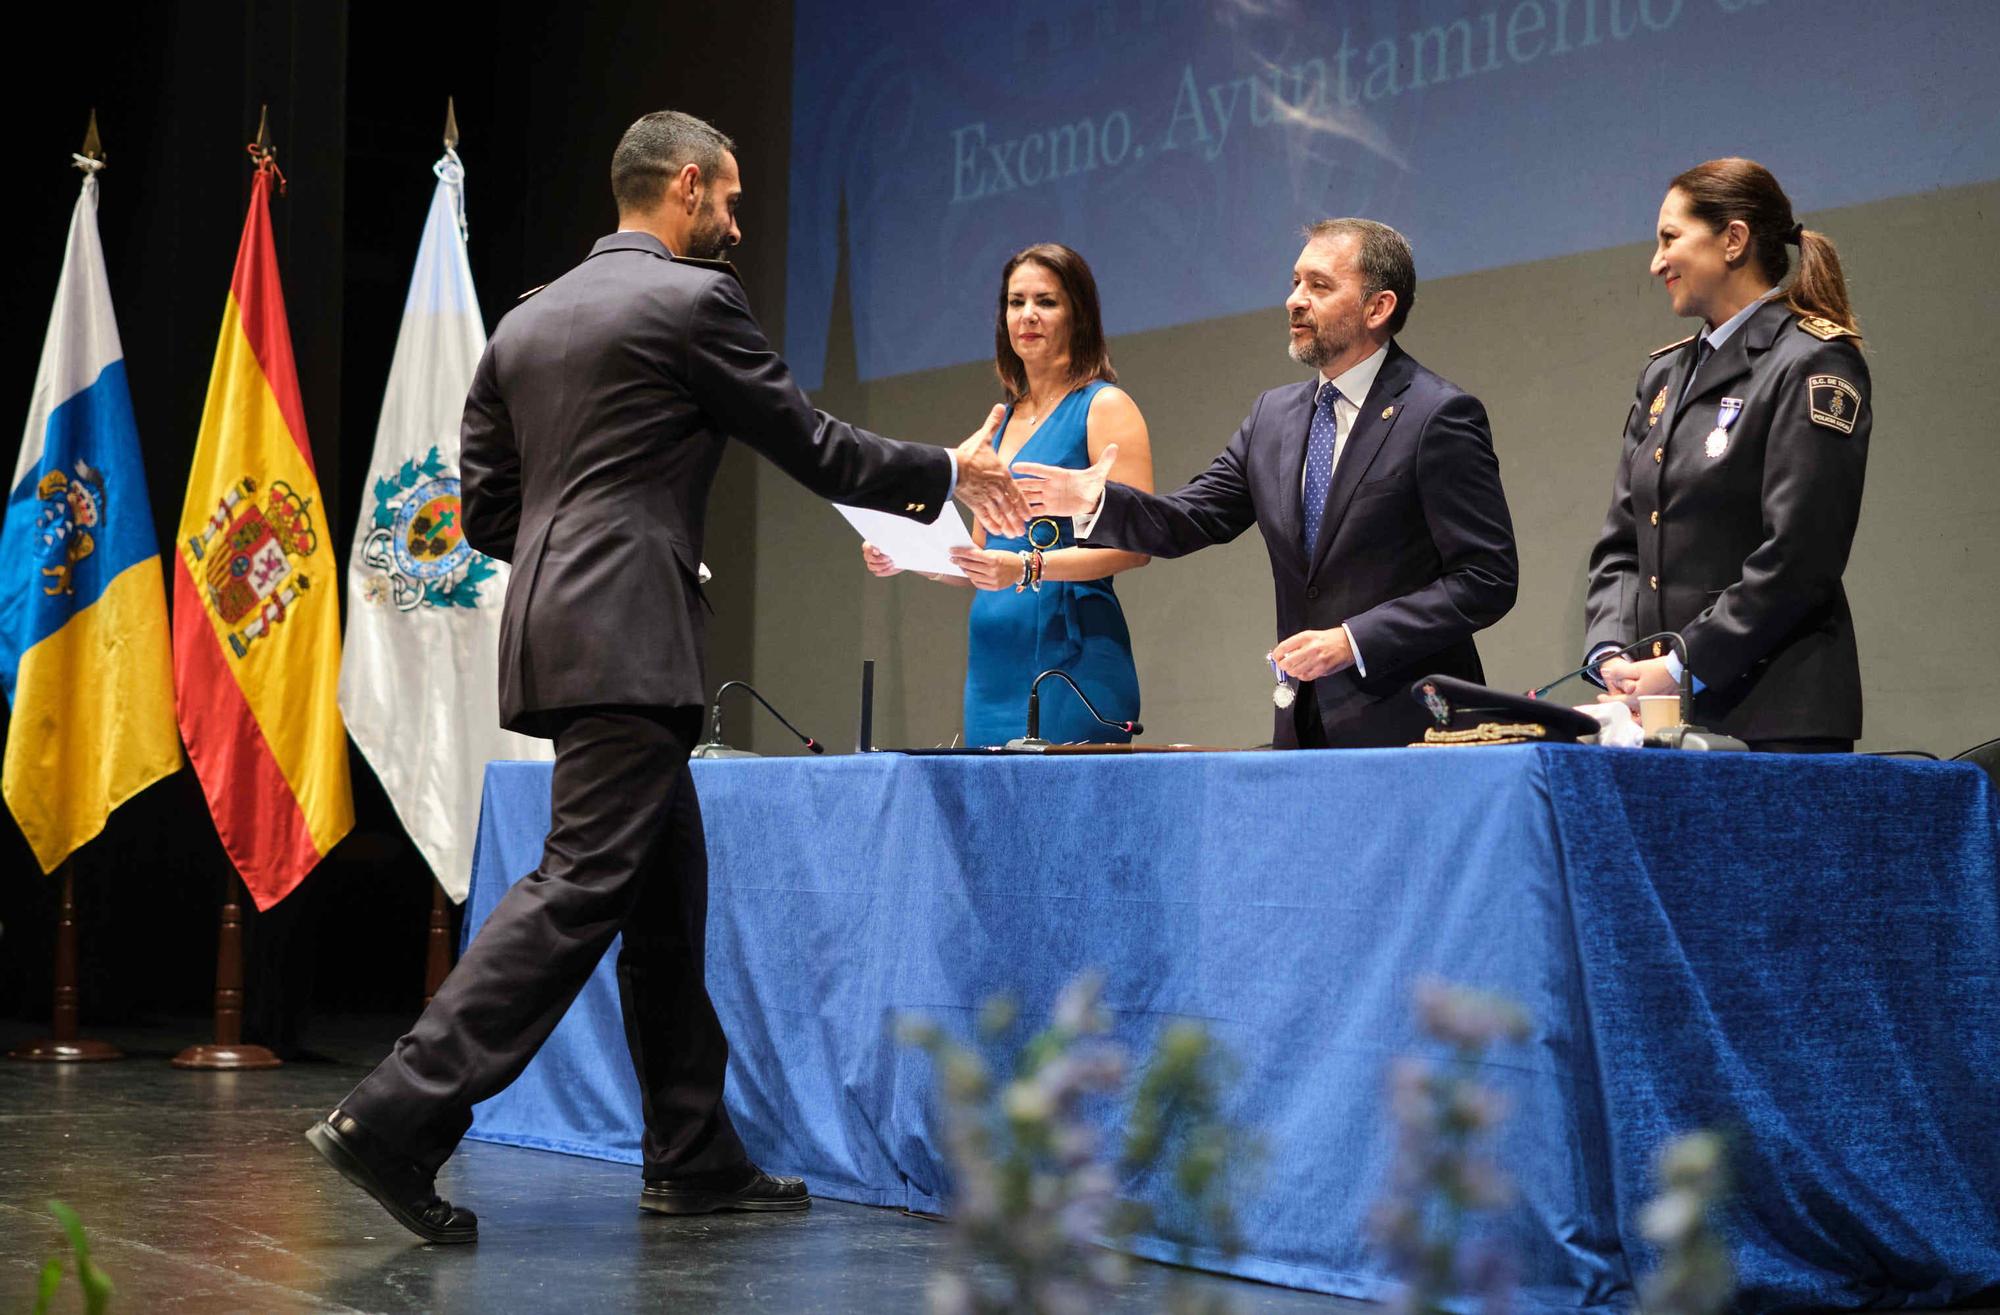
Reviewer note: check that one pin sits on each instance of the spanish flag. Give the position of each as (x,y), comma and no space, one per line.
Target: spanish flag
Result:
(83,609)
(256,616)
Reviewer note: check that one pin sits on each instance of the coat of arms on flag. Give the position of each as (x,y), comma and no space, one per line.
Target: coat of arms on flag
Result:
(72,506)
(415,550)
(246,550)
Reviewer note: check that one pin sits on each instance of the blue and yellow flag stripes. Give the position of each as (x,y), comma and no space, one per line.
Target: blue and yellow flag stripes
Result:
(85,654)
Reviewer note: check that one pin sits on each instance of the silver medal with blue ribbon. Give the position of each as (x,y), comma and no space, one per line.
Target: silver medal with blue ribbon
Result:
(1725,416)
(1284,695)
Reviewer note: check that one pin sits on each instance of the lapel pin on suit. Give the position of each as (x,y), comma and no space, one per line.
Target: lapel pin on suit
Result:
(1388,411)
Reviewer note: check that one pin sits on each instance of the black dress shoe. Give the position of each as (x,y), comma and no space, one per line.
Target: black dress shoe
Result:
(748,1188)
(398,1184)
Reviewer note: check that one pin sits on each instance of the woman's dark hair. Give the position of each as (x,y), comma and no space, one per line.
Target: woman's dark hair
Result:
(1722,191)
(1089,358)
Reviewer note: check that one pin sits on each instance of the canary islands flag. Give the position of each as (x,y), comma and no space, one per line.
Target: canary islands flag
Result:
(83,610)
(256,618)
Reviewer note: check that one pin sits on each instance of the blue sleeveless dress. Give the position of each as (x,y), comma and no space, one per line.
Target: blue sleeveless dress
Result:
(1076,626)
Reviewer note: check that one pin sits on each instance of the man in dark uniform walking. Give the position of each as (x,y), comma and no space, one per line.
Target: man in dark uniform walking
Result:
(592,433)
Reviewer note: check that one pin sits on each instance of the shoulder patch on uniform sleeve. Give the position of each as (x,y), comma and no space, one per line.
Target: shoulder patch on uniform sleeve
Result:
(1662,351)
(1836,403)
(531,292)
(1824,329)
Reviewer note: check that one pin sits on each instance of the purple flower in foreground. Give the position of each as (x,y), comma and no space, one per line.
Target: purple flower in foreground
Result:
(1469,1020)
(1441,1174)
(1695,1276)
(1035,1206)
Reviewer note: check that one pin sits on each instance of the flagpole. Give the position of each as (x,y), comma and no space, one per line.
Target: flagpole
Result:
(437,950)
(63,1045)
(437,956)
(228,1050)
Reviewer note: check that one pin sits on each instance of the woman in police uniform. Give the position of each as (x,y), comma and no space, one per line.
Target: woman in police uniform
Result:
(1739,487)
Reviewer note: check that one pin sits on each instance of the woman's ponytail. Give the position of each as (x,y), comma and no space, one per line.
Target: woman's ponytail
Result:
(1721,192)
(1820,288)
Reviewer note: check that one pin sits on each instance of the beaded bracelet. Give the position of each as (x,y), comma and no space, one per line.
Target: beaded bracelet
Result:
(1031,572)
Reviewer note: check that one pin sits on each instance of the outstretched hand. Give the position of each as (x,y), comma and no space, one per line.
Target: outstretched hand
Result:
(985,485)
(1060,491)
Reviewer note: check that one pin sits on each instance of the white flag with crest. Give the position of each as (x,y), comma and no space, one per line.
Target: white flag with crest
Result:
(419,682)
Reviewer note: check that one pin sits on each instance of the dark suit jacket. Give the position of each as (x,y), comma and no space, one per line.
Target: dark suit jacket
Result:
(592,432)
(1742,551)
(1415,554)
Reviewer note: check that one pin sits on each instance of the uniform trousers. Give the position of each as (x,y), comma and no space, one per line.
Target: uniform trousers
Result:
(625,853)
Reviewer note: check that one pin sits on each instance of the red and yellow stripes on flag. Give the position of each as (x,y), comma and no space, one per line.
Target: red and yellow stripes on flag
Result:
(256,621)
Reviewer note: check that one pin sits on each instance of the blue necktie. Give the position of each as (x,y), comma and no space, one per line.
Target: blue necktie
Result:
(1319,462)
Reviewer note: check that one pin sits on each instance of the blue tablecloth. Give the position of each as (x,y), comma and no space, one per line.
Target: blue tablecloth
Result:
(1803,952)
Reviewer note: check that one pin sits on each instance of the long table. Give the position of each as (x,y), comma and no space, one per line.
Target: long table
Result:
(1804,953)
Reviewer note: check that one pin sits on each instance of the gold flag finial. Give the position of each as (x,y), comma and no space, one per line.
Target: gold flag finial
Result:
(450,125)
(93,149)
(264,129)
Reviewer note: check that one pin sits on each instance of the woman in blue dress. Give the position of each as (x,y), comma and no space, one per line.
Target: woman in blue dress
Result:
(1040,600)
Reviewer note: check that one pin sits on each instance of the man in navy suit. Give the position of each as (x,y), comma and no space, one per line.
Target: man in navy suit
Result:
(1377,491)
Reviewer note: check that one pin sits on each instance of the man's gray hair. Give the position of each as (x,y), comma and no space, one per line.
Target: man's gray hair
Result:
(657,148)
(1385,261)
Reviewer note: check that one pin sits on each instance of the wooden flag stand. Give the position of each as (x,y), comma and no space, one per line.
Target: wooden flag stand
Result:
(437,947)
(227,1051)
(64,1046)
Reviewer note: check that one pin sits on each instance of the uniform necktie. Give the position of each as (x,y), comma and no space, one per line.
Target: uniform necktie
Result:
(1702,351)
(1319,461)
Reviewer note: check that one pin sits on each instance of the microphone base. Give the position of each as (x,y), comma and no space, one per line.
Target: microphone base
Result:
(1034,745)
(1695,739)
(717,749)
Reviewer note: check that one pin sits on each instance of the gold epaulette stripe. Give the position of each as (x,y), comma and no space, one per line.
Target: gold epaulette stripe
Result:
(1825,329)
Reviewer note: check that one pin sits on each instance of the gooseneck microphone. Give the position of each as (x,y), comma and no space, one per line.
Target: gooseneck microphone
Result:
(713,747)
(1034,740)
(1685,735)
(1680,650)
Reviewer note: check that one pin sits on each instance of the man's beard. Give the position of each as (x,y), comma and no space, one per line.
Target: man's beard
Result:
(1317,350)
(708,241)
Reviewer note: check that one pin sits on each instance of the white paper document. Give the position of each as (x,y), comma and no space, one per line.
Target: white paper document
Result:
(913,545)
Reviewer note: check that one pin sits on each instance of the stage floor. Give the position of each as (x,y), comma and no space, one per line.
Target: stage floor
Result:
(199,1194)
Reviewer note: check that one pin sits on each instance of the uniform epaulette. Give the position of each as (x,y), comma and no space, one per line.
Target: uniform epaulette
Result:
(719,266)
(1825,329)
(1662,351)
(531,292)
